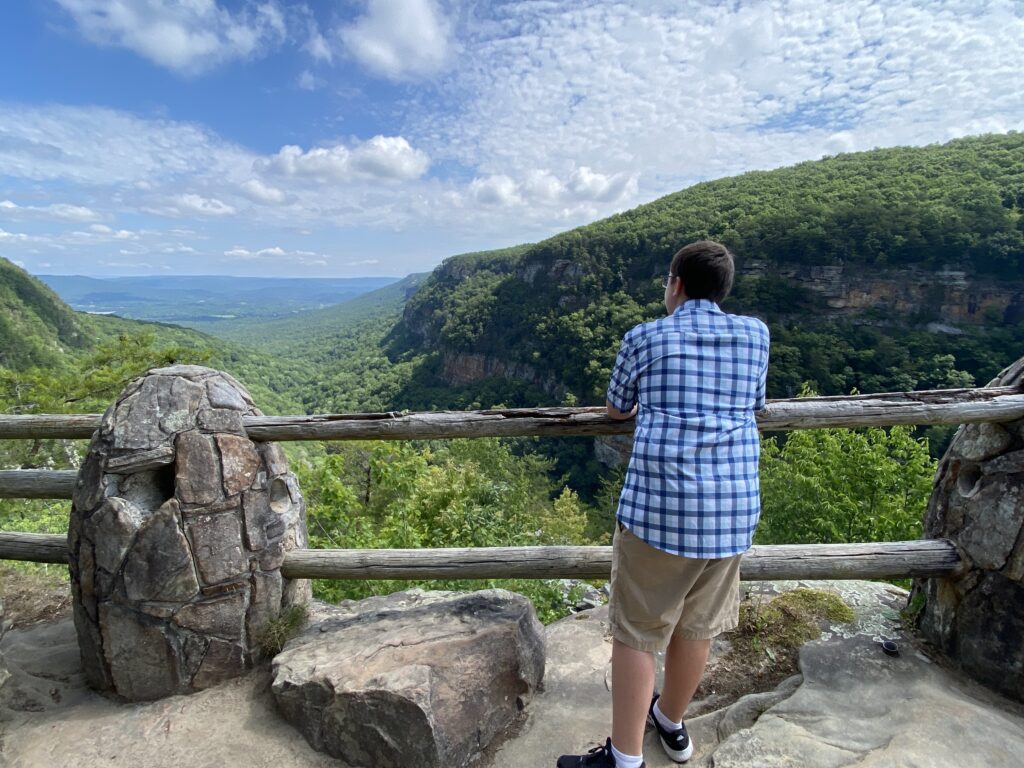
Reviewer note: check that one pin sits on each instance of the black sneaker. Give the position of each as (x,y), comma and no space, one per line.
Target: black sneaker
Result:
(677,744)
(598,757)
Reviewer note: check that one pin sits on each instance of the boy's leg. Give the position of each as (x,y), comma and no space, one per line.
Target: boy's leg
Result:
(632,688)
(685,661)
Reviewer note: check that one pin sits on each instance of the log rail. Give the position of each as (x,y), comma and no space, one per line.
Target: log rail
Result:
(881,560)
(939,406)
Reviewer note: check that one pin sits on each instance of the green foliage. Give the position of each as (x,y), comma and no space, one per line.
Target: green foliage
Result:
(279,630)
(36,327)
(828,486)
(464,493)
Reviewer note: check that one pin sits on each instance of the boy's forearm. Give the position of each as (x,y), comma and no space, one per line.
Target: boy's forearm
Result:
(618,415)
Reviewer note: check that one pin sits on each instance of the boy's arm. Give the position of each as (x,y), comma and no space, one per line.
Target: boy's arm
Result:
(762,381)
(621,400)
(618,415)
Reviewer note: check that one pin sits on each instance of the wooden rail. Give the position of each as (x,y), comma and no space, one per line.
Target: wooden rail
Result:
(37,483)
(949,406)
(881,560)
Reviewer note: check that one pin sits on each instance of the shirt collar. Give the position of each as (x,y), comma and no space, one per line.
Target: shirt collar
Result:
(698,305)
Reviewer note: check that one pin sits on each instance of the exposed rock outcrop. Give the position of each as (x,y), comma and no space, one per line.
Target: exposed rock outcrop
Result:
(978,502)
(460,368)
(855,707)
(179,526)
(414,678)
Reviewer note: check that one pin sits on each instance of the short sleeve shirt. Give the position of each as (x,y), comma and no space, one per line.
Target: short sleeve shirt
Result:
(692,487)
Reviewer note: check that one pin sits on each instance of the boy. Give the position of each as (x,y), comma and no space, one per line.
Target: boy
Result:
(690,501)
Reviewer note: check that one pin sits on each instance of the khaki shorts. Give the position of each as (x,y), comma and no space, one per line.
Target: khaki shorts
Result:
(655,594)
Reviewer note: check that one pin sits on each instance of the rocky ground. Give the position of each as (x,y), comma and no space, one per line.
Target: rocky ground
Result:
(852,705)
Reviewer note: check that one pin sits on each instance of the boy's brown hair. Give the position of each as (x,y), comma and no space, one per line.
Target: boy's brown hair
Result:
(706,268)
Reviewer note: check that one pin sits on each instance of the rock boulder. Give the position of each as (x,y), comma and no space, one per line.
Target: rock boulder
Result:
(977,617)
(174,512)
(414,678)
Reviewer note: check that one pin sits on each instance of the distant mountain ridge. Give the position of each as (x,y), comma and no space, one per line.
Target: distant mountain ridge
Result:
(203,300)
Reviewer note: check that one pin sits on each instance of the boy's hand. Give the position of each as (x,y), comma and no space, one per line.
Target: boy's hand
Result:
(618,415)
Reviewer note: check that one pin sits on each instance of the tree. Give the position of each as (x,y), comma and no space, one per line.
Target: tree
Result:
(844,485)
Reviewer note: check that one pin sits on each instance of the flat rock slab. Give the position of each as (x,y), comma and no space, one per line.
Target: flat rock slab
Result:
(412,679)
(48,717)
(854,707)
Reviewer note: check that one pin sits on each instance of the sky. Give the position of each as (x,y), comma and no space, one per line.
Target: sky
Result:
(377,137)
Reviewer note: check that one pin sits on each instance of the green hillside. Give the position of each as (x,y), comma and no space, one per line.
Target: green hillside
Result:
(562,305)
(36,327)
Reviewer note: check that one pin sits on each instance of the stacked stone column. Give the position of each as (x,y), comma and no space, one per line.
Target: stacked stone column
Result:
(179,526)
(977,618)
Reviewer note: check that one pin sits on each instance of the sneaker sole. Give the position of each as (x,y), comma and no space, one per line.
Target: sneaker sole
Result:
(675,755)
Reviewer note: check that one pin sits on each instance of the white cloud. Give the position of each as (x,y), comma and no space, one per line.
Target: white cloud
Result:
(191,204)
(658,95)
(389,157)
(585,184)
(542,189)
(186,37)
(382,157)
(59,211)
(259,192)
(307,81)
(276,253)
(18,263)
(101,147)
(317,46)
(103,231)
(125,264)
(399,39)
(6,236)
(494,190)
(552,114)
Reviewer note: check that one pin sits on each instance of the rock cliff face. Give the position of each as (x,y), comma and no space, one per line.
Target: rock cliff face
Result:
(470,367)
(944,301)
(949,295)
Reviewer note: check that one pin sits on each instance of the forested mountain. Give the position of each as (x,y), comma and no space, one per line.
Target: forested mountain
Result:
(36,327)
(891,269)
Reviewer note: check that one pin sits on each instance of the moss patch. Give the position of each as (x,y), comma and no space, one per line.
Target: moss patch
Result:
(778,627)
(765,647)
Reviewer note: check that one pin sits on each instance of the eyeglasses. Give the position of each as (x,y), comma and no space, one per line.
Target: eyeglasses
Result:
(668,279)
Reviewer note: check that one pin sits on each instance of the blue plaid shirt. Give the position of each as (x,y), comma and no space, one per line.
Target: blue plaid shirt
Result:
(692,487)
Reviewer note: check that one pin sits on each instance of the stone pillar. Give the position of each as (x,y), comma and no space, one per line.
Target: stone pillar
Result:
(179,525)
(977,619)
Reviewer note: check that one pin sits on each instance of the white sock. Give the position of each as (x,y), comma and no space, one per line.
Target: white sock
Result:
(626,761)
(667,724)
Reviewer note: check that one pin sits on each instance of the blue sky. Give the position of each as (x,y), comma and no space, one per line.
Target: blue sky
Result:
(377,137)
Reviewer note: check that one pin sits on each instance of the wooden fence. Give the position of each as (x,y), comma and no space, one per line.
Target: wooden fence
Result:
(816,561)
